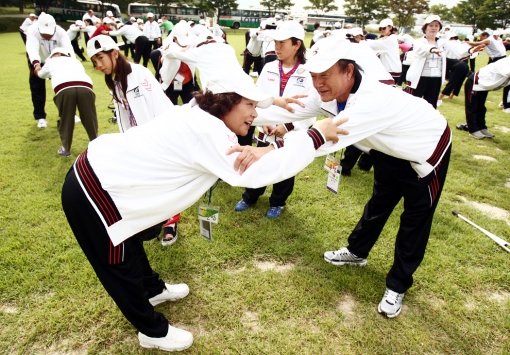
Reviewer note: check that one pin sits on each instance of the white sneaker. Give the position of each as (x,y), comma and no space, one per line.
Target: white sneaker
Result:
(391,303)
(500,105)
(42,123)
(343,257)
(439,103)
(175,340)
(170,293)
(77,119)
(506,110)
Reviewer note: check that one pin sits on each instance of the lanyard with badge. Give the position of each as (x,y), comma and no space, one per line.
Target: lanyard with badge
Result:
(208,214)
(284,77)
(332,163)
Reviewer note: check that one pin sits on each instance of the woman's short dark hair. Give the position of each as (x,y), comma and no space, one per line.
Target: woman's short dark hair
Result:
(300,54)
(217,105)
(424,27)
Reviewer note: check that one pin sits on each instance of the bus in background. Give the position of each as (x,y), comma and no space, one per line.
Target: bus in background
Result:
(72,10)
(326,20)
(174,12)
(246,18)
(140,10)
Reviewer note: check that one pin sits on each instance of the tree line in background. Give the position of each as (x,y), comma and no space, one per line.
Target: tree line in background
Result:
(480,13)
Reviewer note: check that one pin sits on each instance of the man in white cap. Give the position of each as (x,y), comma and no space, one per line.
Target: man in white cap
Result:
(89,15)
(29,21)
(135,37)
(74,33)
(496,50)
(409,142)
(152,31)
(42,38)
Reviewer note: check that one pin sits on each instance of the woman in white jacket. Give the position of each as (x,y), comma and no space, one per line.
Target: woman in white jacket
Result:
(138,97)
(283,77)
(427,70)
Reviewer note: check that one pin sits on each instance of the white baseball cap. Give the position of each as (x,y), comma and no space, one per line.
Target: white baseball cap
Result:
(132,19)
(100,43)
(356,31)
(451,34)
(288,29)
(337,25)
(182,31)
(109,13)
(150,14)
(32,15)
(241,84)
(60,50)
(78,23)
(325,53)
(107,21)
(46,24)
(270,21)
(202,21)
(385,23)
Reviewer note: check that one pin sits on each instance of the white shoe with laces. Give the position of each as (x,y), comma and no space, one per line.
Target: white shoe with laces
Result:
(343,257)
(175,340)
(391,303)
(170,293)
(42,123)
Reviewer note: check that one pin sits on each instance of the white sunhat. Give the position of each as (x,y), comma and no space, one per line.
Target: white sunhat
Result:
(107,21)
(78,23)
(46,24)
(385,23)
(202,21)
(451,34)
(325,53)
(60,50)
(270,21)
(109,13)
(337,25)
(150,14)
(100,43)
(241,84)
(432,18)
(288,29)
(139,20)
(132,19)
(32,15)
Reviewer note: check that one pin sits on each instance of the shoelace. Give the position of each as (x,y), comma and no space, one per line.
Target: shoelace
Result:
(392,296)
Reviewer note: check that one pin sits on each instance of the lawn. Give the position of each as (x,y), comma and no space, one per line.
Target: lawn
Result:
(260,286)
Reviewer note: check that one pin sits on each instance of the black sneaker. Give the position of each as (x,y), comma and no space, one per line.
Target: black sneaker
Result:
(462,126)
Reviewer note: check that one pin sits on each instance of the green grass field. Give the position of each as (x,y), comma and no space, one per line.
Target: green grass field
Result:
(261,286)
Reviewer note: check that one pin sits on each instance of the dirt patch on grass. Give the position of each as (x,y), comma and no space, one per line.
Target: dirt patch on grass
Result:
(64,347)
(251,320)
(347,304)
(484,157)
(501,297)
(489,210)
(502,129)
(8,309)
(272,266)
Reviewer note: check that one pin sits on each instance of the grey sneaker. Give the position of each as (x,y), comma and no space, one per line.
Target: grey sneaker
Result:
(478,135)
(486,133)
(343,257)
(391,303)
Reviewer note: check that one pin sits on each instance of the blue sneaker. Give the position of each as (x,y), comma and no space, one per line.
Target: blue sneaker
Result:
(242,206)
(274,212)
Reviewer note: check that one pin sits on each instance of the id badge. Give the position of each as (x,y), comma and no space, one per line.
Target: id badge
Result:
(206,229)
(334,176)
(209,213)
(331,162)
(177,85)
